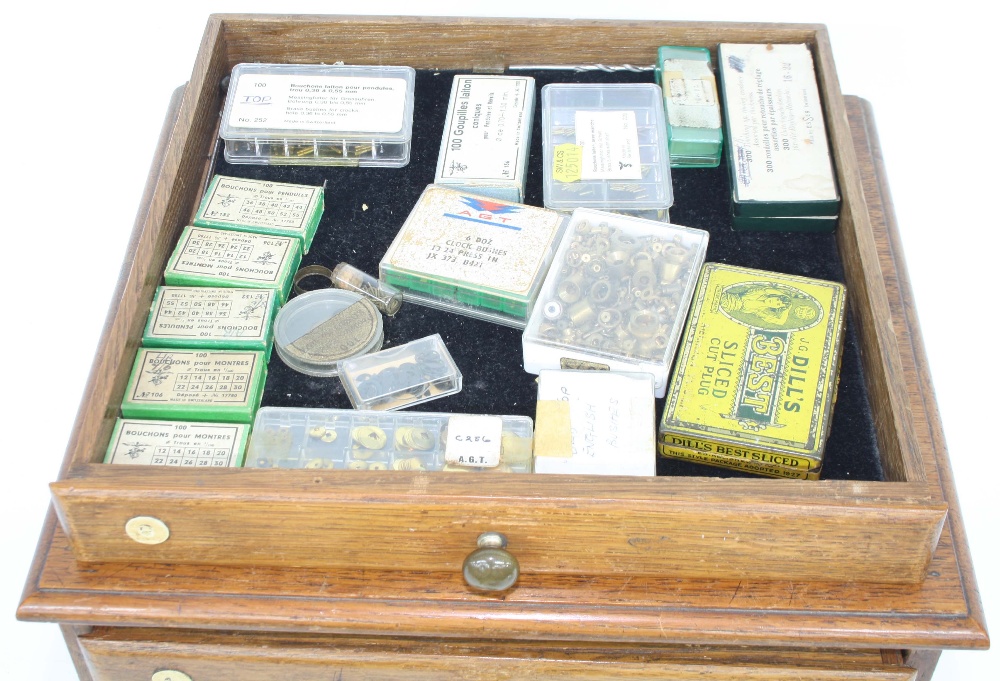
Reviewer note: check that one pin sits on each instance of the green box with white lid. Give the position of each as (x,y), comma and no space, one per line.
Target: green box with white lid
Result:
(262,207)
(212,318)
(691,103)
(195,385)
(228,259)
(186,444)
(776,143)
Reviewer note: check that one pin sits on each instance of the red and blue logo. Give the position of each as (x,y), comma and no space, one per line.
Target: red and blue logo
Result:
(487,212)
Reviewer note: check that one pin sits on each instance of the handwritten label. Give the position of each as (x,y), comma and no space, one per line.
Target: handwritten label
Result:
(473,441)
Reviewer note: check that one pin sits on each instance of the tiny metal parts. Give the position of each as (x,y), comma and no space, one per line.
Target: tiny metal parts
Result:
(616,292)
(386,297)
(402,376)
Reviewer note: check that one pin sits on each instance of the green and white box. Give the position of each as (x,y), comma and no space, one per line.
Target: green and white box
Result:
(184,444)
(214,318)
(487,136)
(195,385)
(217,257)
(473,255)
(261,207)
(779,156)
(691,101)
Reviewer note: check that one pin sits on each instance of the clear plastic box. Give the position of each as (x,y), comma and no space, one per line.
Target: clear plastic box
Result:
(605,147)
(616,296)
(291,437)
(420,371)
(316,114)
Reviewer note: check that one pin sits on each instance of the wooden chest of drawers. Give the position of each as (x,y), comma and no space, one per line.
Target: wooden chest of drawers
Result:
(628,574)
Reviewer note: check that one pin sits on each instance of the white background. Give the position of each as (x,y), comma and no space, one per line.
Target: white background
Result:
(84,90)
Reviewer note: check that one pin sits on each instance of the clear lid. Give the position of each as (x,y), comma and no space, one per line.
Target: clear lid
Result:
(605,147)
(316,330)
(291,437)
(319,102)
(617,294)
(395,378)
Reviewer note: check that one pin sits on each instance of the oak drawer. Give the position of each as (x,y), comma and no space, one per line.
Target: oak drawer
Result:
(137,655)
(705,528)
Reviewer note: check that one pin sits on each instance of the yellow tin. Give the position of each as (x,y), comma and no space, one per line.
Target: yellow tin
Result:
(755,384)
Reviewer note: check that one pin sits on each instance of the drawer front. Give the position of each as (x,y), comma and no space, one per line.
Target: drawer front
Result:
(136,655)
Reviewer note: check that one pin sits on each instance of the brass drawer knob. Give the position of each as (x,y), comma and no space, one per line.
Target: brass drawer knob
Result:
(170,675)
(147,530)
(491,567)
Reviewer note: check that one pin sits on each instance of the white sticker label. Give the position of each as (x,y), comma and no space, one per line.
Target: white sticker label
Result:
(318,103)
(485,138)
(775,119)
(232,255)
(195,313)
(176,443)
(610,142)
(474,441)
(209,377)
(255,203)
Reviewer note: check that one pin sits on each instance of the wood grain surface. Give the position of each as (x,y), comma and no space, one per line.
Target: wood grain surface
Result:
(128,654)
(763,609)
(682,527)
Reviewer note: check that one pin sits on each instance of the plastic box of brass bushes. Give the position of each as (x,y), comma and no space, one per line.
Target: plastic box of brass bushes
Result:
(290,437)
(616,296)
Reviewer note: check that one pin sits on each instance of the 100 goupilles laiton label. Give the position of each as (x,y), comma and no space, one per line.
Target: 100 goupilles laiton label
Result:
(754,386)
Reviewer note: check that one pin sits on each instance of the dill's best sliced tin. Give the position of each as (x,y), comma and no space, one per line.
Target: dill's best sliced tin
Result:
(756,380)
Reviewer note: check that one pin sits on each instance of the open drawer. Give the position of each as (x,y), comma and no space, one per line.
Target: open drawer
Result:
(834,531)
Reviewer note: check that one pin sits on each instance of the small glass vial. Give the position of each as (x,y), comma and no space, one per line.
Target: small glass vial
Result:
(386,297)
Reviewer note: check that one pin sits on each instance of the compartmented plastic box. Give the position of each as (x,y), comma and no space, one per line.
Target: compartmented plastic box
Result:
(262,207)
(219,257)
(605,147)
(691,102)
(616,296)
(473,255)
(213,318)
(403,376)
(290,437)
(487,136)
(315,114)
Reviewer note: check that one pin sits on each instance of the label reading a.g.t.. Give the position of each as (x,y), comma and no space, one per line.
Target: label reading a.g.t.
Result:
(262,204)
(194,313)
(176,443)
(236,255)
(474,441)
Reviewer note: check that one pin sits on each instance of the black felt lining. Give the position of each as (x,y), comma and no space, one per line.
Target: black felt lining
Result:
(365,207)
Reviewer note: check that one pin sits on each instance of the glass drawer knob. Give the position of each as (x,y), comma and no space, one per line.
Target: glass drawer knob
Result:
(490,567)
